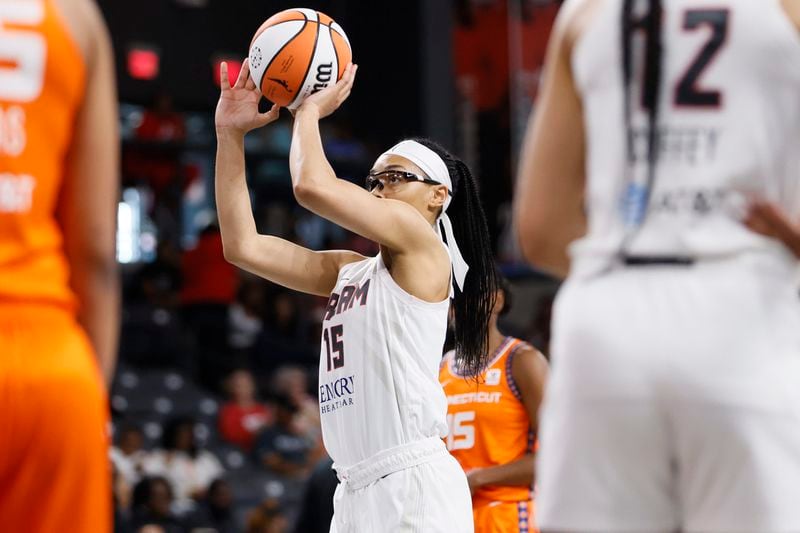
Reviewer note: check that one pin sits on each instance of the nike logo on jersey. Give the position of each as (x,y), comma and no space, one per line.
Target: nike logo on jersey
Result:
(493,376)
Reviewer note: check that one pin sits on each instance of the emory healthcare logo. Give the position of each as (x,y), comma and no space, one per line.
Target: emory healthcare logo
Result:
(337,394)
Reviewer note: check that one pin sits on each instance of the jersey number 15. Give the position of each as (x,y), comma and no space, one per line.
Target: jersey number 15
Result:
(461,431)
(334,346)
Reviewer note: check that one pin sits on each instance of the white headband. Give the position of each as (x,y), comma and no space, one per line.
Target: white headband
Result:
(433,165)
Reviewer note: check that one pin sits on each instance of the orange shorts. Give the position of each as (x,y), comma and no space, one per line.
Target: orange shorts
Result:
(504,517)
(54,469)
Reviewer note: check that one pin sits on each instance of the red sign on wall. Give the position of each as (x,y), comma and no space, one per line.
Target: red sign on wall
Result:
(143,63)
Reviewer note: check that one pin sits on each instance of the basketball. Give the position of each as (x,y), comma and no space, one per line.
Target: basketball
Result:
(296,53)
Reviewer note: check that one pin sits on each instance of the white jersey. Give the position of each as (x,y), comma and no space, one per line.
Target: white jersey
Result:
(379,365)
(728,128)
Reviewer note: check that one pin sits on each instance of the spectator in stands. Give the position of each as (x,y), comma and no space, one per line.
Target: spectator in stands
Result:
(128,454)
(292,381)
(151,528)
(242,416)
(284,339)
(121,494)
(280,447)
(208,280)
(189,469)
(152,502)
(245,314)
(267,518)
(316,511)
(156,159)
(215,511)
(160,281)
(161,123)
(209,288)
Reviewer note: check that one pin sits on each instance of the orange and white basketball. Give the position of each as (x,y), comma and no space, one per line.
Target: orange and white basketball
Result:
(296,53)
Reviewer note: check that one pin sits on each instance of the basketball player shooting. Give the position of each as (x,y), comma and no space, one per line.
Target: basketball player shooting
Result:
(382,409)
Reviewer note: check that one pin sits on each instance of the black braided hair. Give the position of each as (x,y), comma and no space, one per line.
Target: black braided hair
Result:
(651,25)
(472,307)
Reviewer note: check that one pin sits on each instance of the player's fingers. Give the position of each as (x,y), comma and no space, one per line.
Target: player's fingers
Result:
(244,74)
(224,81)
(347,78)
(265,118)
(350,74)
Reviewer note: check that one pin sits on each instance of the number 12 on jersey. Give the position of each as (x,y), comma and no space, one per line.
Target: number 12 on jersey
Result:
(334,346)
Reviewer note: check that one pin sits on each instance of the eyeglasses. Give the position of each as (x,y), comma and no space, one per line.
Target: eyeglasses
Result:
(391,179)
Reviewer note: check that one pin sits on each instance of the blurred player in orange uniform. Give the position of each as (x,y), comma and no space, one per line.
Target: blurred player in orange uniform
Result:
(492,427)
(59,291)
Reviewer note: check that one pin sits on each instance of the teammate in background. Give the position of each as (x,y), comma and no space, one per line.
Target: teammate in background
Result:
(383,411)
(493,425)
(59,291)
(673,402)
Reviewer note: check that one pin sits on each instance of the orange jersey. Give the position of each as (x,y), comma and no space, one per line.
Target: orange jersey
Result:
(488,424)
(54,469)
(42,78)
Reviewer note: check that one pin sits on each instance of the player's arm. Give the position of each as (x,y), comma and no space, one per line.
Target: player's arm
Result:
(529,370)
(87,209)
(548,204)
(392,223)
(767,219)
(275,259)
(792,10)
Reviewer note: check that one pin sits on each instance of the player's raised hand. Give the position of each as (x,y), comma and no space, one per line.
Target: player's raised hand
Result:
(330,98)
(237,108)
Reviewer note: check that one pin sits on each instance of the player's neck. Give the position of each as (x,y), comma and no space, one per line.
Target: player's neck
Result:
(496,338)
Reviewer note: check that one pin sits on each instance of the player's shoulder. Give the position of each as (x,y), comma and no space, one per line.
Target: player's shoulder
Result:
(574,18)
(524,348)
(447,358)
(526,359)
(343,258)
(85,24)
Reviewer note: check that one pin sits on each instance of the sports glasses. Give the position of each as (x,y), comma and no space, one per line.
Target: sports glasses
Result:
(391,179)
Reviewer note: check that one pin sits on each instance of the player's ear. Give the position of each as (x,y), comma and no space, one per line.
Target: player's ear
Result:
(438,195)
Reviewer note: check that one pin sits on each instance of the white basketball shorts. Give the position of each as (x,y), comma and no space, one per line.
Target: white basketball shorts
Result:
(414,488)
(674,401)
